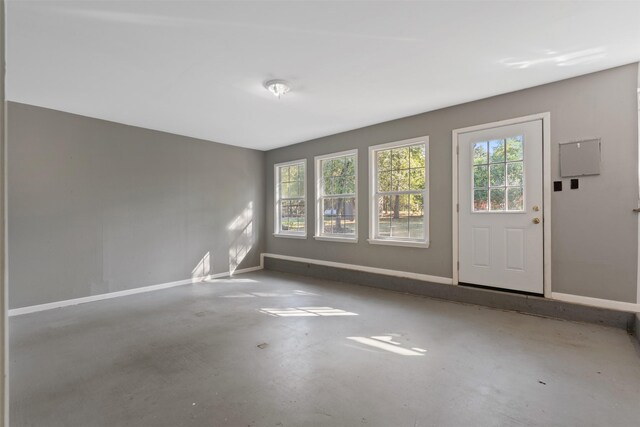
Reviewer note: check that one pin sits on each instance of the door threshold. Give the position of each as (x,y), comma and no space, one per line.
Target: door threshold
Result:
(493,288)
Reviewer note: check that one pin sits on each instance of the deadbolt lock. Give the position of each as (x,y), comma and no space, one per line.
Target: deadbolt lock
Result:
(536,208)
(536,220)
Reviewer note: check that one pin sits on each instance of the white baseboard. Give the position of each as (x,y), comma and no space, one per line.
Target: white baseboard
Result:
(597,302)
(92,298)
(364,268)
(243,270)
(575,299)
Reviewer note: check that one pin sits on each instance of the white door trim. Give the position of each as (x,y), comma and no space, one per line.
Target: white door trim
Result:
(546,188)
(638,261)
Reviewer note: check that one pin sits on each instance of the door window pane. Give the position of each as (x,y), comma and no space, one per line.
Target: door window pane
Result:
(496,151)
(480,153)
(480,176)
(498,174)
(514,173)
(515,148)
(516,201)
(497,196)
(481,200)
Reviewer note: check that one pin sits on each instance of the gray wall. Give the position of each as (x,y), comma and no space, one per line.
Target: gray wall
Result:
(96,206)
(594,232)
(4,414)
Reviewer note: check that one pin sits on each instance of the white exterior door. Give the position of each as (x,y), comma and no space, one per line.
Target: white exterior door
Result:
(500,179)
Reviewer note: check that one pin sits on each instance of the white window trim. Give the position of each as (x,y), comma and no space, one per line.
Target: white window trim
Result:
(373,185)
(318,175)
(276,226)
(337,239)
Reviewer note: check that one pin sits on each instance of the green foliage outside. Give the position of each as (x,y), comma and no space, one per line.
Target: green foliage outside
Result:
(292,212)
(401,169)
(339,179)
(498,173)
(291,181)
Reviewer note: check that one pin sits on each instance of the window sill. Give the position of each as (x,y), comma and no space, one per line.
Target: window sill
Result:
(407,243)
(290,236)
(337,239)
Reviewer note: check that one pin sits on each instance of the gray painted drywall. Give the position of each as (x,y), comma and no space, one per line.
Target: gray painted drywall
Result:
(594,232)
(96,206)
(4,413)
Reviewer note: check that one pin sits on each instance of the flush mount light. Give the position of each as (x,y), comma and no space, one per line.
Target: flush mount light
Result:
(277,87)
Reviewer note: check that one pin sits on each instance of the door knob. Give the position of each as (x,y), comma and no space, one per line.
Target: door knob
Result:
(536,220)
(536,208)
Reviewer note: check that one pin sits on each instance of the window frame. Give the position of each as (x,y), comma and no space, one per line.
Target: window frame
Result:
(319,235)
(374,238)
(278,232)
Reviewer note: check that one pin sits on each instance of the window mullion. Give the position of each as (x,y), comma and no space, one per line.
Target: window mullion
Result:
(396,193)
(347,195)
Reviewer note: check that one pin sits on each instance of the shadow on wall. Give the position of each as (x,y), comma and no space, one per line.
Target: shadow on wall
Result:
(202,271)
(243,237)
(242,240)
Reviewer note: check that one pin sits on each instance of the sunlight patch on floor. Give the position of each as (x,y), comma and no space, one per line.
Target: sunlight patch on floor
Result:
(386,342)
(231,280)
(306,312)
(282,294)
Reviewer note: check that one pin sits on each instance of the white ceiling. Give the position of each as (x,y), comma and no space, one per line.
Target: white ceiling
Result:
(197,68)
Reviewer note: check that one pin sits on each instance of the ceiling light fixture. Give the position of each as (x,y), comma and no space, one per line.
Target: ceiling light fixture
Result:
(277,87)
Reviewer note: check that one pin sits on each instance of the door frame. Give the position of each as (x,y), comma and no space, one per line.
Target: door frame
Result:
(638,261)
(546,189)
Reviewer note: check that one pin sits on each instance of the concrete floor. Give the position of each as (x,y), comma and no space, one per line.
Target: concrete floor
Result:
(208,355)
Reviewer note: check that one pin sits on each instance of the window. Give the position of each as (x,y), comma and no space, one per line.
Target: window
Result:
(498,175)
(336,192)
(399,193)
(291,201)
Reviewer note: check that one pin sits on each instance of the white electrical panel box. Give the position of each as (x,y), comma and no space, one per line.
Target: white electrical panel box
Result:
(580,158)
